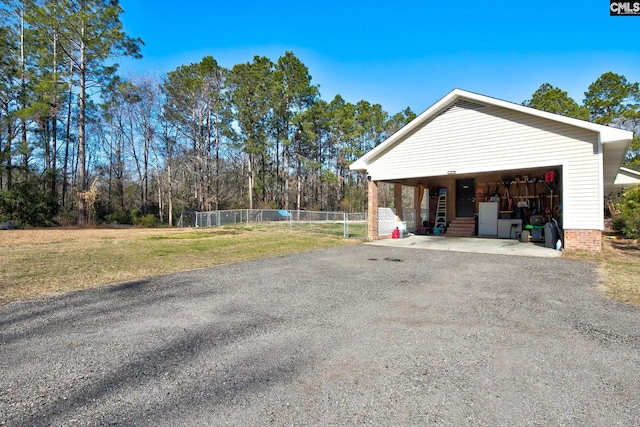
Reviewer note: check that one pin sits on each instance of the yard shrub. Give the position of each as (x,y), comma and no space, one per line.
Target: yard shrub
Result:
(629,219)
(27,203)
(145,221)
(119,217)
(618,223)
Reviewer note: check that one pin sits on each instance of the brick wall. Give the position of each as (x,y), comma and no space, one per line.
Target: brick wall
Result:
(372,206)
(586,240)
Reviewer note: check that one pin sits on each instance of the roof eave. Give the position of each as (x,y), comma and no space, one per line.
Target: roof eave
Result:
(358,165)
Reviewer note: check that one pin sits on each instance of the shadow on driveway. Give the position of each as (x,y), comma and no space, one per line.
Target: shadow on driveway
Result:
(358,334)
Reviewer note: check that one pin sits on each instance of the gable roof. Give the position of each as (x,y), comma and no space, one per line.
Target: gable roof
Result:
(625,178)
(616,140)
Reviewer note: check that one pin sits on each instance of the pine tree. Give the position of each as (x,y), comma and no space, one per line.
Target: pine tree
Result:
(251,86)
(91,37)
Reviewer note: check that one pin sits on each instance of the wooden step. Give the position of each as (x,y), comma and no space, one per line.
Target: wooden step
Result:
(461,227)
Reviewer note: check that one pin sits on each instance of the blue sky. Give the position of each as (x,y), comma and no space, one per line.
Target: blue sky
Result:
(397,54)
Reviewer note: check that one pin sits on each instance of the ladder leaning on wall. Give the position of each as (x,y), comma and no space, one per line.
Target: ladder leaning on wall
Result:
(441,210)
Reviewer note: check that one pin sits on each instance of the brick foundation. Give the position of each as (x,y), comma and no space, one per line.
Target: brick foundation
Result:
(585,240)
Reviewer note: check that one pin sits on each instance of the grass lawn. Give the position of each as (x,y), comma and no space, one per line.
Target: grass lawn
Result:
(619,267)
(39,262)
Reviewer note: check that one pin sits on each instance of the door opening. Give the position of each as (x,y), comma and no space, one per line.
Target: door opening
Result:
(465,198)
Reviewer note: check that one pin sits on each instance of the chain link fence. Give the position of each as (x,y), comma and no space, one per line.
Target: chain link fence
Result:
(353,224)
(388,221)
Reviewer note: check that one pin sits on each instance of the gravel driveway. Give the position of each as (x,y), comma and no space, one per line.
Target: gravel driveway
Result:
(355,335)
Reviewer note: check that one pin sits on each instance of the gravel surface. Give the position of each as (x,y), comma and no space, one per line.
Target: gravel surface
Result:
(355,335)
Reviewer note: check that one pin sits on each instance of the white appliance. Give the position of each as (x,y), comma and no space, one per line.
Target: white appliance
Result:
(509,228)
(488,219)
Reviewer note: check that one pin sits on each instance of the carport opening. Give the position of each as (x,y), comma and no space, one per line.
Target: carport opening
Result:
(516,204)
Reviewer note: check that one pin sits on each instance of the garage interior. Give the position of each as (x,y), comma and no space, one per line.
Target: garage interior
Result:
(511,204)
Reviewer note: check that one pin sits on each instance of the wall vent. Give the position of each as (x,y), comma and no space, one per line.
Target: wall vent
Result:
(462,105)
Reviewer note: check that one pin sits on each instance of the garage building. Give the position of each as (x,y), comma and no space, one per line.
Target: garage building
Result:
(468,150)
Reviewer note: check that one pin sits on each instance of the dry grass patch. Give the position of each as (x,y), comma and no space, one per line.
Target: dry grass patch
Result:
(619,265)
(622,270)
(35,263)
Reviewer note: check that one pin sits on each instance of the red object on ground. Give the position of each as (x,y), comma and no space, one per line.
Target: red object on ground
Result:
(395,234)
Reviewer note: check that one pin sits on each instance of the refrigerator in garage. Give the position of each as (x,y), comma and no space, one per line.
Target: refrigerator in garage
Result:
(488,219)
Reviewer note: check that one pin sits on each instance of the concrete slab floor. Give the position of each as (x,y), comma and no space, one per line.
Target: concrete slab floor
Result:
(471,244)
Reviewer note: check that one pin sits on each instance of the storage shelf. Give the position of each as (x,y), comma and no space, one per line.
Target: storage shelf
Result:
(530,197)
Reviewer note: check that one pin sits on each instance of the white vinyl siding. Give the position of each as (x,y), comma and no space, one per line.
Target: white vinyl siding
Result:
(469,138)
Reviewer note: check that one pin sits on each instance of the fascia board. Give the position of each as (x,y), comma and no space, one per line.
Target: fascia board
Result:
(631,172)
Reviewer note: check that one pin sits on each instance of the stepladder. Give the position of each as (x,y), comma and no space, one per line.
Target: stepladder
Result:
(441,209)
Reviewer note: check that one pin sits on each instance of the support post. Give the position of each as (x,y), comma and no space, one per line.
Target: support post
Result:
(397,200)
(372,207)
(417,204)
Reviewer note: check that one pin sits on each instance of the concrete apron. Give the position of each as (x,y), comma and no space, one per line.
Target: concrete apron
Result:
(470,244)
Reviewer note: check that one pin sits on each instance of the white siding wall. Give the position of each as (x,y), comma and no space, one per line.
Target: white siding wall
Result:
(467,139)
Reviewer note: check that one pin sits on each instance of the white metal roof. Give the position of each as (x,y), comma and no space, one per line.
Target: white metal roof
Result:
(625,178)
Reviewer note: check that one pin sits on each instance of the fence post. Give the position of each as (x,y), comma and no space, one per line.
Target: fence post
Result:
(366,229)
(346,226)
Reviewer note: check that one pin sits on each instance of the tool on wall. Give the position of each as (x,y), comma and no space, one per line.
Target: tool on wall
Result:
(526,187)
(523,203)
(541,199)
(507,201)
(534,201)
(550,181)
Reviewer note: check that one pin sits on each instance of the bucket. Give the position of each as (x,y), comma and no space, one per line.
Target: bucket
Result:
(536,233)
(437,230)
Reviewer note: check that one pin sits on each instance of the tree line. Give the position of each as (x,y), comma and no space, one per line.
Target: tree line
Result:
(80,143)
(611,100)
